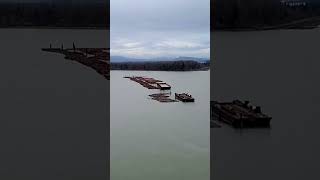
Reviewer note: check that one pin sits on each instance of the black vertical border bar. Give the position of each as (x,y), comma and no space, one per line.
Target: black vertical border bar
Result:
(108,9)
(211,82)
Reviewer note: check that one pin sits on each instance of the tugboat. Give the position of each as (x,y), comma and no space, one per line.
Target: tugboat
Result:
(184,97)
(239,114)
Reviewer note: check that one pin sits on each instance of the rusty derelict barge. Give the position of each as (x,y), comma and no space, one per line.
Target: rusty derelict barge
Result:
(95,58)
(184,97)
(239,114)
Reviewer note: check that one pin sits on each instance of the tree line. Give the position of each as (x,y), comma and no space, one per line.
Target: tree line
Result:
(232,14)
(161,66)
(54,15)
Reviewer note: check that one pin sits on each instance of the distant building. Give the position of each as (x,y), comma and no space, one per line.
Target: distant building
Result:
(294,3)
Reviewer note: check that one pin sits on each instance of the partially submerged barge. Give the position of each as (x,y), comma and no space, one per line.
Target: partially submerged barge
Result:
(239,114)
(184,97)
(96,58)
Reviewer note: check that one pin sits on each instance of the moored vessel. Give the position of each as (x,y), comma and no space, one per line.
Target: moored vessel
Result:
(239,114)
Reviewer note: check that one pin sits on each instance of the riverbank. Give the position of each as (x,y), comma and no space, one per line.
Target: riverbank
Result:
(161,66)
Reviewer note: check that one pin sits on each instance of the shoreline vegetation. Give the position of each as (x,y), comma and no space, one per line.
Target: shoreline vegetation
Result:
(180,65)
(252,15)
(55,15)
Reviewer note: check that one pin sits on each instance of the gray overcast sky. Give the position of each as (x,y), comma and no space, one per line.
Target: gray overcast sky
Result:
(160,28)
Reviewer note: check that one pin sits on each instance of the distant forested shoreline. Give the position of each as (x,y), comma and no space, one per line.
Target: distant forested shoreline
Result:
(253,15)
(162,66)
(226,15)
(55,15)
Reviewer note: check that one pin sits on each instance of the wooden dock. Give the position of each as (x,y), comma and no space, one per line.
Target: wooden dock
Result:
(95,58)
(239,114)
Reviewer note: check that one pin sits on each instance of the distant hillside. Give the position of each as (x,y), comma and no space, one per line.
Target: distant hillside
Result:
(127,59)
(124,59)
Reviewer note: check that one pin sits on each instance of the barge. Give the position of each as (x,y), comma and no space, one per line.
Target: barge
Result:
(239,114)
(150,83)
(184,97)
(95,58)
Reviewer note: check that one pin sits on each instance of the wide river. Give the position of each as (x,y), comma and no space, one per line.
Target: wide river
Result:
(280,71)
(153,140)
(54,113)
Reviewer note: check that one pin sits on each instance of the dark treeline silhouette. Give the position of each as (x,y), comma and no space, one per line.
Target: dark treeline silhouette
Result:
(256,14)
(161,66)
(80,15)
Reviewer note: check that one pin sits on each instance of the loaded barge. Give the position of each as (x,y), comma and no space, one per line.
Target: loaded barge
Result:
(239,114)
(150,83)
(95,58)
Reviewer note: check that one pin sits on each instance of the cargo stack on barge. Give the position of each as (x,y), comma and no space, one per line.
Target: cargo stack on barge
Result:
(239,114)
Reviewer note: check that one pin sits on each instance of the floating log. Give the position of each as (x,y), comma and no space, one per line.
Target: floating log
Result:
(160,95)
(164,99)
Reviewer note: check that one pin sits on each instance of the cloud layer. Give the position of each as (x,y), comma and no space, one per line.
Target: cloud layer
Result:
(166,28)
